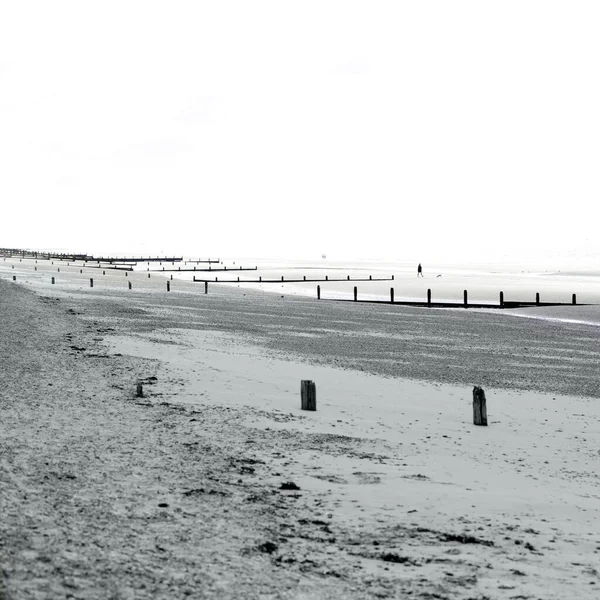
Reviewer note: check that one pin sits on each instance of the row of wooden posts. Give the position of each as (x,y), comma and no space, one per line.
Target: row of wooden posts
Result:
(129,285)
(465,297)
(308,401)
(465,293)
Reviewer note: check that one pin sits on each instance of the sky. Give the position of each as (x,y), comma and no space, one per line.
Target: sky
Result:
(352,129)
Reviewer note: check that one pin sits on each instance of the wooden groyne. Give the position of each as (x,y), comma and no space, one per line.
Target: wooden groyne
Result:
(429,303)
(32,254)
(141,259)
(196,270)
(288,280)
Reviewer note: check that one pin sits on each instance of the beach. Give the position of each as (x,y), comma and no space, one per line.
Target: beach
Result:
(215,484)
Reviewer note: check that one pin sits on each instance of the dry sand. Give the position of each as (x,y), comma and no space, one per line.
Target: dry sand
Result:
(181,493)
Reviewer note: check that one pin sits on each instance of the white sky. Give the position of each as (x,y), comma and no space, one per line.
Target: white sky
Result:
(375,129)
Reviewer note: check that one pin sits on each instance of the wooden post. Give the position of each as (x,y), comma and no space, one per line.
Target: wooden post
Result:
(126,274)
(168,286)
(238,278)
(148,275)
(260,278)
(104,273)
(465,298)
(326,277)
(282,278)
(35,268)
(537,298)
(91,282)
(392,278)
(206,287)
(305,278)
(129,282)
(58,270)
(428,297)
(81,271)
(139,391)
(308,395)
(318,292)
(171,277)
(392,295)
(15,278)
(355,293)
(53,281)
(348,277)
(479,407)
(574,299)
(370,277)
(501,299)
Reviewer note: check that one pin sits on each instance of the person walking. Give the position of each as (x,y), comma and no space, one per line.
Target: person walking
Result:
(419,270)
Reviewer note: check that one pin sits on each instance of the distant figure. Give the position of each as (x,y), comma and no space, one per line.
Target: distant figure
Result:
(420,270)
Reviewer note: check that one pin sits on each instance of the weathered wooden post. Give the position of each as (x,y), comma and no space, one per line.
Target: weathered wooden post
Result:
(53,281)
(260,278)
(370,277)
(326,277)
(465,298)
(501,299)
(355,293)
(428,297)
(304,277)
(238,278)
(574,299)
(91,282)
(129,284)
(104,273)
(216,279)
(15,278)
(139,390)
(392,295)
(537,298)
(318,292)
(282,278)
(348,277)
(168,286)
(479,407)
(206,287)
(308,394)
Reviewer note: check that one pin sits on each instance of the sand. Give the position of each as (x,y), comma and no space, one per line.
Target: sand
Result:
(395,493)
